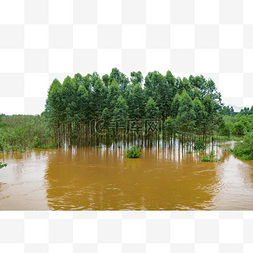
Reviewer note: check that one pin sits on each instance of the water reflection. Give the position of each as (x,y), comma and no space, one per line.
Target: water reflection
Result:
(101,179)
(166,177)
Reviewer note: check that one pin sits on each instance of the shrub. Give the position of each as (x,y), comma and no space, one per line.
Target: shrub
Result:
(133,152)
(209,158)
(2,165)
(244,150)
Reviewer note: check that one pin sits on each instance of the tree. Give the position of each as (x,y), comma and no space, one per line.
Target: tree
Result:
(136,102)
(121,109)
(98,99)
(161,89)
(54,109)
(151,110)
(69,105)
(239,128)
(175,105)
(113,95)
(169,126)
(185,119)
(201,115)
(120,78)
(120,113)
(136,77)
(210,116)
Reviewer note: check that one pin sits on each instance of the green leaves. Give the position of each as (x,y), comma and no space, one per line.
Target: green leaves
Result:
(151,110)
(193,104)
(210,158)
(244,149)
(121,108)
(185,119)
(2,165)
(169,126)
(133,152)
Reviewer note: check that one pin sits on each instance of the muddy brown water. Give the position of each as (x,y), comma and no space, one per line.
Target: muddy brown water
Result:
(89,178)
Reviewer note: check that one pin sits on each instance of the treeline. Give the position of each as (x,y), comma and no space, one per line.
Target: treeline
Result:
(238,125)
(185,106)
(229,111)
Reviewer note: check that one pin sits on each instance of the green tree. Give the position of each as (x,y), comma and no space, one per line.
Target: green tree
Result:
(136,102)
(201,115)
(136,77)
(175,105)
(169,126)
(239,128)
(151,110)
(121,109)
(185,120)
(54,109)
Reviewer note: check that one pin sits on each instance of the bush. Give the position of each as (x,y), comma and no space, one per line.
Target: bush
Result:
(2,165)
(238,128)
(133,152)
(244,149)
(209,158)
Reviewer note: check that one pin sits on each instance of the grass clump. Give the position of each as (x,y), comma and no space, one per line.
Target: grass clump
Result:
(210,158)
(133,152)
(2,165)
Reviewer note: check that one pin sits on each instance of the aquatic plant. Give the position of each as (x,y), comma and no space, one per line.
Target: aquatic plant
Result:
(210,158)
(133,152)
(2,165)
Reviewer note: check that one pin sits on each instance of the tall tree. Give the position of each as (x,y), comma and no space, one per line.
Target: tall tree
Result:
(185,119)
(151,110)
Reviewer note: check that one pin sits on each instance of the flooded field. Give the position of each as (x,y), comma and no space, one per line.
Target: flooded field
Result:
(166,177)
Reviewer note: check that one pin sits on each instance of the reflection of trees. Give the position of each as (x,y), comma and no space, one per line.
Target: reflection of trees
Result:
(101,179)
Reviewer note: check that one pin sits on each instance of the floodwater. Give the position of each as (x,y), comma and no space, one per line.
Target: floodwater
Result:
(89,178)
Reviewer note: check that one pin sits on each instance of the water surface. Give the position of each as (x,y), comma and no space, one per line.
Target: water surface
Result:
(89,178)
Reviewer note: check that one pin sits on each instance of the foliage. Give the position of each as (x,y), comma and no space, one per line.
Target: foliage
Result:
(244,148)
(23,132)
(238,128)
(2,165)
(169,126)
(151,110)
(185,120)
(193,104)
(133,152)
(210,158)
(199,145)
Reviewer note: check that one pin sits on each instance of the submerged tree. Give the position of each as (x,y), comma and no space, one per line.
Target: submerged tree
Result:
(190,105)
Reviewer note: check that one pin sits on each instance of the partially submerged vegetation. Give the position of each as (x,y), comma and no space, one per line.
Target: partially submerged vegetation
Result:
(187,107)
(80,111)
(23,132)
(134,152)
(2,165)
(244,148)
(210,157)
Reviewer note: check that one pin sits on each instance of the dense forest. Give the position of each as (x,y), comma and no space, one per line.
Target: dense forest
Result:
(183,106)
